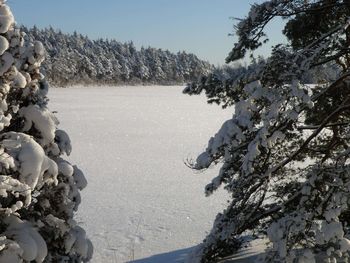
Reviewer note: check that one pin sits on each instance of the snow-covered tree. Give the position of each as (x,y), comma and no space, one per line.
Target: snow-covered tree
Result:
(284,154)
(39,190)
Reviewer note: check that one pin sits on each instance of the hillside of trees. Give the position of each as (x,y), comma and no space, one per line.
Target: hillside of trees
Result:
(76,59)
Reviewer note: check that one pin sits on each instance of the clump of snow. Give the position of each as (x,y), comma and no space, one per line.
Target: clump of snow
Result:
(10,251)
(345,245)
(224,136)
(42,119)
(4,88)
(34,166)
(6,161)
(4,45)
(35,55)
(63,141)
(39,48)
(15,187)
(65,168)
(6,62)
(331,231)
(29,240)
(79,178)
(59,225)
(6,19)
(19,81)
(276,234)
(4,118)
(79,243)
(15,37)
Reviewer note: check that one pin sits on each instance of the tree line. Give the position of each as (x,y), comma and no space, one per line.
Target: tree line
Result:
(77,59)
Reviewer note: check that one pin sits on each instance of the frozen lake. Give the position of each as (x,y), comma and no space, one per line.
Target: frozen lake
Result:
(142,203)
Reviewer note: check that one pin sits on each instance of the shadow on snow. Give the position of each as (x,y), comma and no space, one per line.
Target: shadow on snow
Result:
(177,256)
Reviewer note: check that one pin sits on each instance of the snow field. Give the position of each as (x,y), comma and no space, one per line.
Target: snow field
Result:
(142,203)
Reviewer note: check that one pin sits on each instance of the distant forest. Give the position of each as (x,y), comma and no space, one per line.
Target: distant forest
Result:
(76,59)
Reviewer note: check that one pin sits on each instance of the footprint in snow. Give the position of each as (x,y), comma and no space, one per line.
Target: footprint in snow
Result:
(138,239)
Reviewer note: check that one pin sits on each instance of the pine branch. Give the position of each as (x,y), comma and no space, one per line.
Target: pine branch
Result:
(344,106)
(314,127)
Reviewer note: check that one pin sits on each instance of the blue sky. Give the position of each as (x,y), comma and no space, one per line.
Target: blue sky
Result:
(197,26)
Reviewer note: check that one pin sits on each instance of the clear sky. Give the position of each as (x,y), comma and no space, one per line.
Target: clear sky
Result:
(197,26)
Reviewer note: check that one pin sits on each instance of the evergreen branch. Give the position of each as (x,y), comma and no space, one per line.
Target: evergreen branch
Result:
(313,127)
(341,108)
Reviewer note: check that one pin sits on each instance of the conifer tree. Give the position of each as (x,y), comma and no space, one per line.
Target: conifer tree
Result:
(284,154)
(39,190)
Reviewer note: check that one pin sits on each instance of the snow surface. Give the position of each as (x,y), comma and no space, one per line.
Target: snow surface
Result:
(142,204)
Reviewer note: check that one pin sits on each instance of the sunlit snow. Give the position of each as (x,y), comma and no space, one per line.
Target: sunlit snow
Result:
(142,203)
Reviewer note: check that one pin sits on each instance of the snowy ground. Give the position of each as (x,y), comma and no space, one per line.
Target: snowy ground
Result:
(142,203)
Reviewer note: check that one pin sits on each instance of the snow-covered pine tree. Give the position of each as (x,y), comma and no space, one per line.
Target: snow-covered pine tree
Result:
(284,155)
(39,191)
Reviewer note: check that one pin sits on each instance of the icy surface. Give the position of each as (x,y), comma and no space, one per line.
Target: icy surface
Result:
(141,203)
